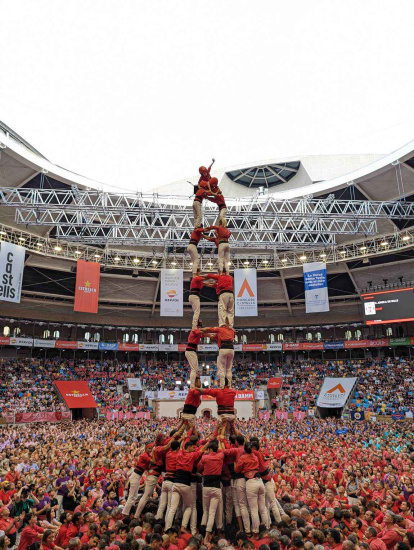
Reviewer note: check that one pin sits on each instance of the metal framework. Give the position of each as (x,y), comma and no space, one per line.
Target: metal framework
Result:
(97,217)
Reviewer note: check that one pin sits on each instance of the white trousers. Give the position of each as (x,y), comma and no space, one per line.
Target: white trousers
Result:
(192,250)
(134,481)
(195,304)
(223,256)
(240,485)
(197,214)
(271,500)
(226,308)
(224,366)
(212,497)
(222,217)
(255,493)
(185,493)
(150,484)
(165,498)
(192,359)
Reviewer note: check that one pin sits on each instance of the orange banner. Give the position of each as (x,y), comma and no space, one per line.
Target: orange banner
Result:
(87,286)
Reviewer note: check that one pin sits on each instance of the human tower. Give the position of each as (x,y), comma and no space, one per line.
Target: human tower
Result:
(237,484)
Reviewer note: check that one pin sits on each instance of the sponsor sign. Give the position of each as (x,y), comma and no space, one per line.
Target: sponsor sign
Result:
(316,287)
(21,341)
(165,394)
(208,348)
(88,345)
(244,395)
(274,383)
(333,345)
(4,340)
(399,342)
(182,347)
(134,384)
(76,394)
(148,347)
(66,344)
(351,344)
(171,297)
(11,271)
(252,347)
(238,347)
(275,346)
(108,346)
(292,346)
(56,416)
(168,347)
(335,392)
(259,394)
(312,345)
(128,347)
(245,292)
(41,343)
(87,286)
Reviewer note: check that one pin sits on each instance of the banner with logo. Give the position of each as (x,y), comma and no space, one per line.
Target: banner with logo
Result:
(294,346)
(4,340)
(88,345)
(351,344)
(335,392)
(166,394)
(168,347)
(333,345)
(11,271)
(275,346)
(21,341)
(245,395)
(316,287)
(76,394)
(259,394)
(128,347)
(108,346)
(41,343)
(55,416)
(148,347)
(274,384)
(245,292)
(399,341)
(238,347)
(357,415)
(299,415)
(208,348)
(134,384)
(66,344)
(171,297)
(252,347)
(312,345)
(87,286)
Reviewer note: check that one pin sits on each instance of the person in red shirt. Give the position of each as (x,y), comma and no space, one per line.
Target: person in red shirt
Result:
(134,480)
(374,542)
(203,190)
(186,459)
(48,541)
(74,528)
(171,455)
(268,482)
(65,519)
(211,466)
(196,287)
(191,404)
(225,291)
(191,352)
(31,533)
(195,238)
(224,335)
(218,199)
(225,398)
(221,240)
(9,525)
(248,465)
(389,535)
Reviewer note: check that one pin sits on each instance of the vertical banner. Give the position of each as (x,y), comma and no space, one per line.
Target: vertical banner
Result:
(11,271)
(171,297)
(87,286)
(316,287)
(245,292)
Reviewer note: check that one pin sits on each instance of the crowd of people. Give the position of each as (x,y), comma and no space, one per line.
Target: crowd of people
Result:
(329,484)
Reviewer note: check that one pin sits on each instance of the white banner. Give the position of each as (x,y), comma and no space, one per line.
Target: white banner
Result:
(134,384)
(165,394)
(316,287)
(40,343)
(88,345)
(21,341)
(276,346)
(148,347)
(208,347)
(204,379)
(238,347)
(259,394)
(171,296)
(11,271)
(335,392)
(168,347)
(150,394)
(245,292)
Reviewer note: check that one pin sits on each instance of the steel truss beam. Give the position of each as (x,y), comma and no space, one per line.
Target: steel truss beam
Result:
(152,260)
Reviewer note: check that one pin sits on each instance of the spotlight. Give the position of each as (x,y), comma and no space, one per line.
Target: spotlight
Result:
(363,248)
(3,233)
(78,252)
(303,257)
(117,259)
(384,243)
(57,248)
(22,239)
(406,238)
(136,260)
(283,260)
(96,256)
(323,255)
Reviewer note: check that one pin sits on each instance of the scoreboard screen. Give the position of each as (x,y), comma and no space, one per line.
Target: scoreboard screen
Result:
(388,306)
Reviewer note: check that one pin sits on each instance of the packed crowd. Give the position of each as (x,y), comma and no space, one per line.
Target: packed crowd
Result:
(335,484)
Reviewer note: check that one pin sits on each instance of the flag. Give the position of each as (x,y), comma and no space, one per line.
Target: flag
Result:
(11,271)
(245,292)
(87,286)
(357,415)
(316,287)
(171,297)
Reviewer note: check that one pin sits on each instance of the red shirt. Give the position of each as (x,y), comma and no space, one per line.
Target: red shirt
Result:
(29,536)
(61,535)
(212,464)
(223,334)
(222,233)
(196,235)
(171,461)
(224,397)
(196,284)
(143,461)
(224,282)
(247,464)
(186,460)
(193,398)
(195,336)
(5,524)
(377,544)
(71,533)
(262,467)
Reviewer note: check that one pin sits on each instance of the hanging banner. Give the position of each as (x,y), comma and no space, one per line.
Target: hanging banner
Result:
(21,341)
(245,292)
(294,346)
(87,286)
(274,384)
(238,347)
(66,344)
(334,345)
(275,346)
(11,271)
(335,392)
(107,346)
(351,344)
(41,343)
(4,340)
(400,341)
(168,347)
(316,287)
(312,345)
(165,394)
(76,394)
(171,297)
(252,347)
(208,348)
(245,395)
(128,347)
(134,384)
(88,345)
(148,347)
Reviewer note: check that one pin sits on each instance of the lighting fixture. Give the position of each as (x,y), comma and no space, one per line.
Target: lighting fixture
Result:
(405,238)
(3,233)
(97,256)
(154,261)
(265,261)
(342,252)
(246,262)
(57,248)
(191,263)
(136,260)
(39,244)
(117,259)
(210,263)
(363,248)
(22,239)
(323,255)
(173,263)
(78,252)
(384,243)
(303,257)
(283,260)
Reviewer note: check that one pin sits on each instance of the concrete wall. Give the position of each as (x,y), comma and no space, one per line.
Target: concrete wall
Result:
(172,408)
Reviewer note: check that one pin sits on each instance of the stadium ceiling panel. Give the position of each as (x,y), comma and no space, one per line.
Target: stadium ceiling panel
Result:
(265,176)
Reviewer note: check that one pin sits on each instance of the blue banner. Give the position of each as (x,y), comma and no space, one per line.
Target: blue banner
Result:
(316,287)
(107,346)
(333,345)
(357,415)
